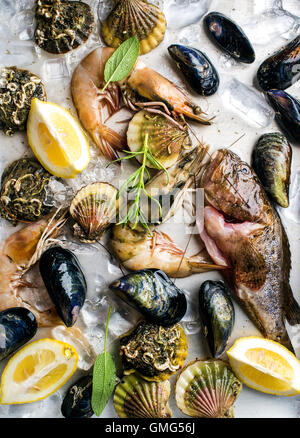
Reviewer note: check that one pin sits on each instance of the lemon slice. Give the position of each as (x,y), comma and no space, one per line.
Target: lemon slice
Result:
(57,139)
(265,365)
(37,370)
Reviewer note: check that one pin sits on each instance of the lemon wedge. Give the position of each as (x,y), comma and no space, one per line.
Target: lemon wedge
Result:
(37,370)
(265,365)
(57,139)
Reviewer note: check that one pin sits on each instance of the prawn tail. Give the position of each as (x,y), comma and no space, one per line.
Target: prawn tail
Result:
(108,141)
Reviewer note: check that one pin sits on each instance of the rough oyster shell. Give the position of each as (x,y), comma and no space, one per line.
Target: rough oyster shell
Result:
(134,18)
(93,209)
(207,388)
(136,398)
(165,139)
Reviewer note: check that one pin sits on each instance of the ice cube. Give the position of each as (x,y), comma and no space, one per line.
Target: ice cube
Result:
(56,68)
(248,103)
(95,311)
(191,320)
(291,6)
(22,25)
(293,211)
(22,53)
(190,34)
(118,325)
(182,13)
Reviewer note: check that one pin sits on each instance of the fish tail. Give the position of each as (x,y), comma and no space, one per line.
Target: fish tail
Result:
(286,342)
(292,308)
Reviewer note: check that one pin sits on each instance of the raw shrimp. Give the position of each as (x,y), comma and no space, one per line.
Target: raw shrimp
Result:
(19,252)
(87,81)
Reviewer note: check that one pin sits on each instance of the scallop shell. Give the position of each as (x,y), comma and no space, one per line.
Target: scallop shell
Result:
(153,351)
(136,398)
(165,139)
(94,208)
(207,388)
(134,18)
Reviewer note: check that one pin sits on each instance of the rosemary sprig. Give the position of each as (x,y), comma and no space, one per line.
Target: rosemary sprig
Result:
(135,184)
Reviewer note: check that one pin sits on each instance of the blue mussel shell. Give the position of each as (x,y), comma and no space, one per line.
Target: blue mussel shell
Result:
(229,36)
(78,399)
(17,326)
(197,69)
(152,293)
(64,281)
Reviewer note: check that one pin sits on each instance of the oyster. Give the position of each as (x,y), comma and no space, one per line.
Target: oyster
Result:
(62,25)
(64,281)
(229,36)
(271,160)
(281,69)
(207,388)
(153,351)
(165,139)
(136,398)
(287,110)
(217,314)
(197,69)
(77,402)
(94,208)
(134,18)
(153,293)
(23,191)
(17,89)
(17,326)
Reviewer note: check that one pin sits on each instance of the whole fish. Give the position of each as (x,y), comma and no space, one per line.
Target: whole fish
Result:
(243,232)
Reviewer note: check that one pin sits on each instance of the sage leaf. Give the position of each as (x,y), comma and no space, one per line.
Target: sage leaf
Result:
(104,377)
(122,61)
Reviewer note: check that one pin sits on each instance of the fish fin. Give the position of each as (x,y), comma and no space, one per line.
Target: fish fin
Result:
(250,267)
(291,307)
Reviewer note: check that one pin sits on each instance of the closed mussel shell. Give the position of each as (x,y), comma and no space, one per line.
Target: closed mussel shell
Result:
(77,402)
(197,69)
(217,314)
(281,69)
(229,36)
(287,110)
(64,281)
(17,326)
(271,160)
(152,293)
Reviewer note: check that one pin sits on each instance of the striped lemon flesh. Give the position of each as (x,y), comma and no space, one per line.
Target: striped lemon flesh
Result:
(265,365)
(57,139)
(37,371)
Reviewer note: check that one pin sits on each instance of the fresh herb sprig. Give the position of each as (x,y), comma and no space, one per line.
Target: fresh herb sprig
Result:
(104,377)
(135,184)
(122,61)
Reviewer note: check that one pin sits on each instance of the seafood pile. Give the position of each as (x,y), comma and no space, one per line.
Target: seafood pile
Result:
(242,259)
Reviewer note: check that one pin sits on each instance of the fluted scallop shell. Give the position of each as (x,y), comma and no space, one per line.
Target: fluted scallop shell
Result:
(93,209)
(134,18)
(165,139)
(153,351)
(137,398)
(207,388)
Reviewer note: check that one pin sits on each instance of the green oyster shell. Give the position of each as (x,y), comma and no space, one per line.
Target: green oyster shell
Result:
(137,398)
(207,388)
(153,351)
(17,89)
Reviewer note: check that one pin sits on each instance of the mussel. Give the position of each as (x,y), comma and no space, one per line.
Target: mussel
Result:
(165,140)
(287,109)
(153,293)
(64,281)
(229,36)
(153,351)
(197,69)
(24,191)
(207,389)
(62,25)
(93,209)
(77,402)
(271,160)
(136,398)
(17,326)
(134,17)
(17,89)
(282,69)
(217,314)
